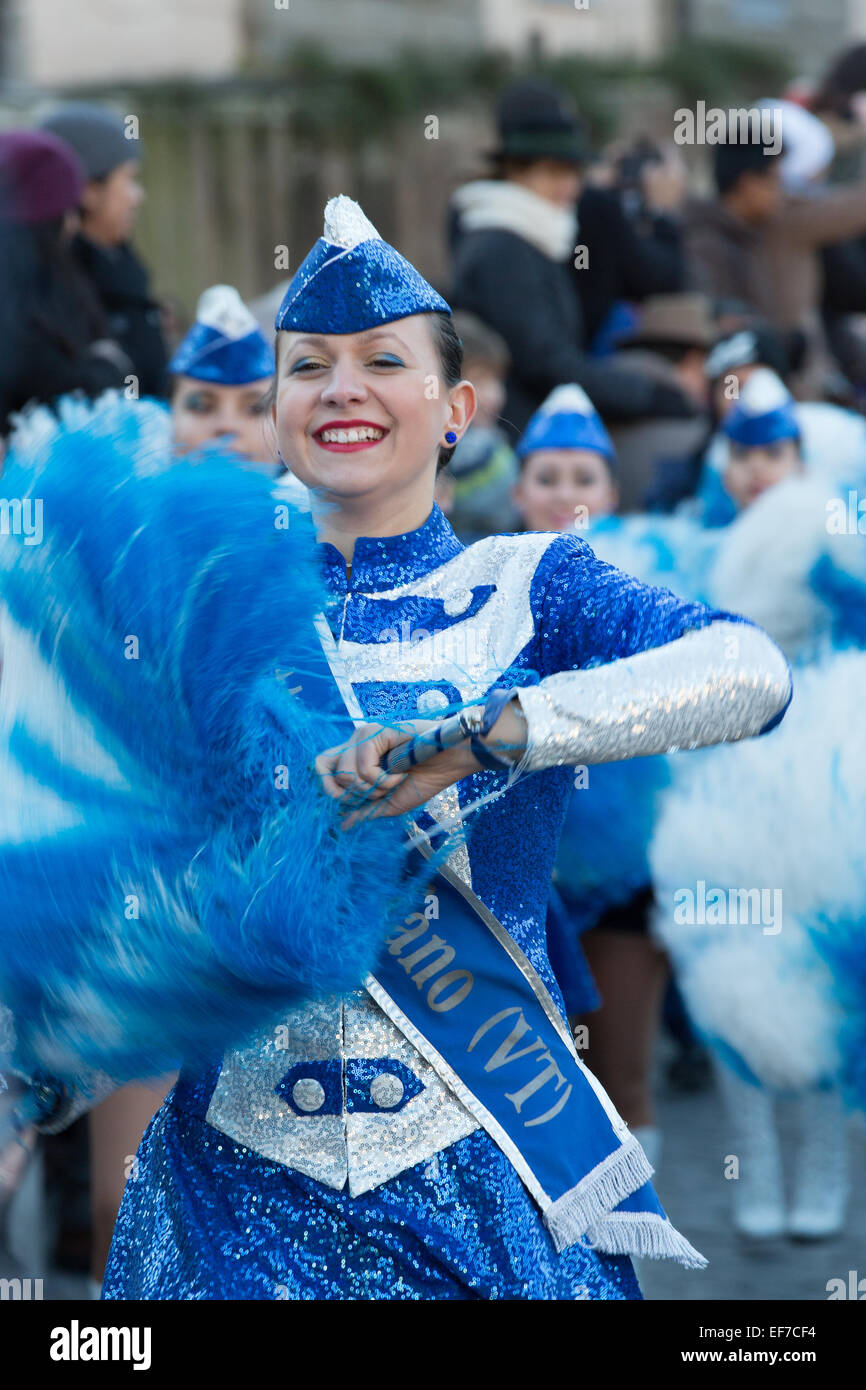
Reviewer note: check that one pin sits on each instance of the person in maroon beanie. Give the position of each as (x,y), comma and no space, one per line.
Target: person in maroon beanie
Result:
(52,333)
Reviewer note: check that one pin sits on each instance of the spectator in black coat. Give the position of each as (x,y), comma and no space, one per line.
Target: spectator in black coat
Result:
(102,249)
(52,334)
(514,247)
(632,233)
(843,304)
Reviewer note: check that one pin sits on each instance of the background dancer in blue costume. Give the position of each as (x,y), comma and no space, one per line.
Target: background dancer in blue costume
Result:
(568,481)
(778,993)
(771,539)
(328,1156)
(220,377)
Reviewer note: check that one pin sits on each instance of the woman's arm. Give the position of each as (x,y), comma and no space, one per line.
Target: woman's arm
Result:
(628,670)
(715,684)
(631,670)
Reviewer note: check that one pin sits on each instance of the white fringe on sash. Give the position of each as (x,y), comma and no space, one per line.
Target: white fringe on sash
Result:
(586,1215)
(645,1235)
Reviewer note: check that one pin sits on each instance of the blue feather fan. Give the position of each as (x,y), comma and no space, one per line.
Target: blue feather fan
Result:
(170,872)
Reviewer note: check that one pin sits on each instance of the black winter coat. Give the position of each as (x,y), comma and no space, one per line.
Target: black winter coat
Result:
(120,283)
(625,261)
(530,301)
(52,337)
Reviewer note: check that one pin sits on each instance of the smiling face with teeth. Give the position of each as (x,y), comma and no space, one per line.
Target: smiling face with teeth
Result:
(360,417)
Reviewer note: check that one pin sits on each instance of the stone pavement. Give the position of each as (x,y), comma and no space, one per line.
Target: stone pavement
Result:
(696,1196)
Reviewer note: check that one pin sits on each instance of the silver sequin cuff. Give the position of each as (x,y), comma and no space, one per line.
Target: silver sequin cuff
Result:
(716,684)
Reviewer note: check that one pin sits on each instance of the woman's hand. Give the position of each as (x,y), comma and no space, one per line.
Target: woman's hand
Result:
(352,772)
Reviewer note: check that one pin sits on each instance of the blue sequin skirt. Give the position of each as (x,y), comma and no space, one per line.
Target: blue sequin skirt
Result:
(205,1218)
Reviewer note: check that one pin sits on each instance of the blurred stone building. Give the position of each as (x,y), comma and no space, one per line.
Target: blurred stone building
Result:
(236,168)
(810,33)
(368,30)
(49,43)
(46,43)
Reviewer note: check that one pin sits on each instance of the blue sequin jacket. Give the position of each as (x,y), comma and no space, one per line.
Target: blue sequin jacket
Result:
(334,1091)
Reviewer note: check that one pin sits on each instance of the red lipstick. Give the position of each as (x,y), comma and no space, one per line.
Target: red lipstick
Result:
(335,428)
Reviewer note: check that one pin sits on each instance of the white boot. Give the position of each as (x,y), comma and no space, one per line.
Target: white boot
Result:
(650,1139)
(821,1168)
(757,1191)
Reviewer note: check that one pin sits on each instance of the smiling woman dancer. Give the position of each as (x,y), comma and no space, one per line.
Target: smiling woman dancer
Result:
(433,1134)
(395,1165)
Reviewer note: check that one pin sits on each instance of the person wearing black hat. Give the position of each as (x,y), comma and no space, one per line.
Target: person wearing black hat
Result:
(515,238)
(53,338)
(109,202)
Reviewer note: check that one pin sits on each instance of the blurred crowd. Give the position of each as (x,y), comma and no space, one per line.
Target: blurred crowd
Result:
(567,265)
(569,268)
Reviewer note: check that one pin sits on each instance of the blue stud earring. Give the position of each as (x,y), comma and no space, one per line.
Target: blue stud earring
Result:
(450,437)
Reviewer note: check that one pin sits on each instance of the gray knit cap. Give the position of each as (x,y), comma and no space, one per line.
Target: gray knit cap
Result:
(96,133)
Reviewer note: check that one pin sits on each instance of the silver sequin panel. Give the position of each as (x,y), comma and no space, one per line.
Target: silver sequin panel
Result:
(363,1149)
(381,1146)
(245,1106)
(717,684)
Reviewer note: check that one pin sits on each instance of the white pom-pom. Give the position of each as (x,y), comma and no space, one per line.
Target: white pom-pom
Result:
(346,224)
(222,308)
(763,392)
(568,400)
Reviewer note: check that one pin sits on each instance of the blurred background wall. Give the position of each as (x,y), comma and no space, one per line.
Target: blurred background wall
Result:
(253,112)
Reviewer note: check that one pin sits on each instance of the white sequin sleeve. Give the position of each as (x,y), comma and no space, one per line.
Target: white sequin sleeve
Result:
(719,683)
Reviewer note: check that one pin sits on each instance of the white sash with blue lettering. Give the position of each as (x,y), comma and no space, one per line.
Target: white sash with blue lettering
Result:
(467,998)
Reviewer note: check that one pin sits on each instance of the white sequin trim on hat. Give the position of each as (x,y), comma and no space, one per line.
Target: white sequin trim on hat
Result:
(346,224)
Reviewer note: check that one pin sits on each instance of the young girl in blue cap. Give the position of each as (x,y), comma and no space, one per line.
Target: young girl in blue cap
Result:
(763,435)
(221,376)
(568,482)
(430,1132)
(567,465)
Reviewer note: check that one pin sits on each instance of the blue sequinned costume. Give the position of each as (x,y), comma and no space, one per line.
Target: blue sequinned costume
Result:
(325,1156)
(277,1174)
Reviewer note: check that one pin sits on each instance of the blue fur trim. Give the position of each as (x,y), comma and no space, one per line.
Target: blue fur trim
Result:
(845,595)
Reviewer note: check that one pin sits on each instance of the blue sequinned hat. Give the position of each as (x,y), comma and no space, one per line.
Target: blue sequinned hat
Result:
(352,280)
(764,413)
(225,344)
(567,420)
